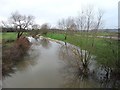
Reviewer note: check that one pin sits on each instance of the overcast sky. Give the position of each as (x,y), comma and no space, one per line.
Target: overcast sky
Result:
(50,11)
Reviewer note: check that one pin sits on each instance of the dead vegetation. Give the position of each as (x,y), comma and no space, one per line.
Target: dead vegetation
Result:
(12,55)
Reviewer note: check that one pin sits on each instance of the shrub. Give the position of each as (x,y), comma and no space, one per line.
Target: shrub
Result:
(12,56)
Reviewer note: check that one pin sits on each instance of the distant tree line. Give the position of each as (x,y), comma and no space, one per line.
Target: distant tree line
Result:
(85,21)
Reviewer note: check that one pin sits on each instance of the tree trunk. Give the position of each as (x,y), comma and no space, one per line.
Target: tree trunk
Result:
(19,34)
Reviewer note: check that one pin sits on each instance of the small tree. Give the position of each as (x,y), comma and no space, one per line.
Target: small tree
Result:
(87,21)
(35,26)
(20,22)
(44,28)
(68,25)
(62,25)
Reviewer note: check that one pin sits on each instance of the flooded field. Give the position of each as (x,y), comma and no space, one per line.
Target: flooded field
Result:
(51,64)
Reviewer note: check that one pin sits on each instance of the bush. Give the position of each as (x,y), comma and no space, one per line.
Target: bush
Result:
(11,56)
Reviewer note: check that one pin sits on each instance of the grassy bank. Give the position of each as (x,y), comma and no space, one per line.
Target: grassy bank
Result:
(13,51)
(8,38)
(11,35)
(105,50)
(114,34)
(13,54)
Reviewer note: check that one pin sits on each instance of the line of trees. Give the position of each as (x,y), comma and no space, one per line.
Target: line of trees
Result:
(21,23)
(86,20)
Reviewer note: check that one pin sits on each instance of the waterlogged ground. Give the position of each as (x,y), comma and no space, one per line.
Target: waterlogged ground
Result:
(51,64)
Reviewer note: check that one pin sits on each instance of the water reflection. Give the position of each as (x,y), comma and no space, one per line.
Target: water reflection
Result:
(77,76)
(73,75)
(52,65)
(38,69)
(23,64)
(45,43)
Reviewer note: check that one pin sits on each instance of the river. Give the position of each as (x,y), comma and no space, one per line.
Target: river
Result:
(50,64)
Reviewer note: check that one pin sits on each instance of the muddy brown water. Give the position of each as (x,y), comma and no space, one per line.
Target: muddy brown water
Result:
(49,64)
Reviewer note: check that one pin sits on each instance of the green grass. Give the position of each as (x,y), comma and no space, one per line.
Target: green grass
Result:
(101,33)
(56,36)
(0,35)
(105,50)
(8,38)
(9,35)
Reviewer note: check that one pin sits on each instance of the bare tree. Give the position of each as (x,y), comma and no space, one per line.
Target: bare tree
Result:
(35,26)
(99,19)
(68,25)
(85,19)
(5,24)
(71,25)
(44,28)
(20,22)
(62,24)
(88,21)
(80,21)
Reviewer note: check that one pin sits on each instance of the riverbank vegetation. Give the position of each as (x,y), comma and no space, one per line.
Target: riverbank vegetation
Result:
(105,50)
(12,53)
(81,31)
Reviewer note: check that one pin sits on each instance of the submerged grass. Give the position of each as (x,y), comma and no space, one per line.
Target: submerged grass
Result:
(105,50)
